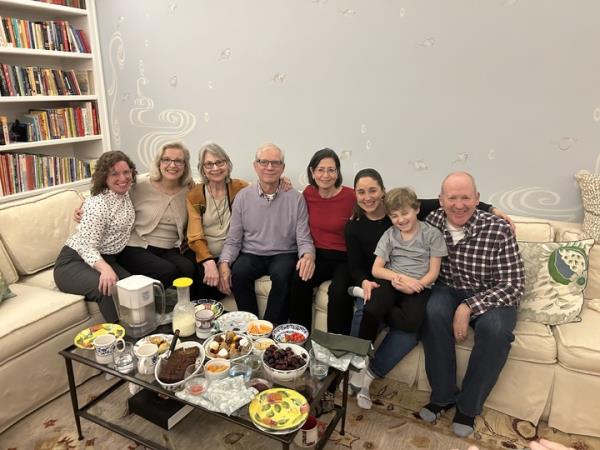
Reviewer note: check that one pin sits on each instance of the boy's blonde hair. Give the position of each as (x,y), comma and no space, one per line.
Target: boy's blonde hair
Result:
(400,198)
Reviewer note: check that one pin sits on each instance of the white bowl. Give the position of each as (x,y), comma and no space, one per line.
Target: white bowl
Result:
(259,343)
(259,324)
(212,376)
(211,339)
(287,375)
(199,361)
(281,333)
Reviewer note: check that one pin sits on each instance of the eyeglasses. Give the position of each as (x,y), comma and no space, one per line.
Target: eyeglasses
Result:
(323,171)
(266,162)
(210,164)
(169,161)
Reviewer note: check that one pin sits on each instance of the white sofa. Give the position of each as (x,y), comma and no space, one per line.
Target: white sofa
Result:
(39,321)
(552,372)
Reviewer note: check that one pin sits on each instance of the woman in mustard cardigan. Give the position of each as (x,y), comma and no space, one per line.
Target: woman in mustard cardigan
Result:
(209,211)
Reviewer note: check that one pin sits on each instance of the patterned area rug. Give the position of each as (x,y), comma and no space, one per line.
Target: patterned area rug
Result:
(391,424)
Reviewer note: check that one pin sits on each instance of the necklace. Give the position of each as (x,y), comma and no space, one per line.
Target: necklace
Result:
(219,208)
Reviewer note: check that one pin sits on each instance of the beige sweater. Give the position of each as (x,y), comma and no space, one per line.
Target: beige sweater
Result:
(150,205)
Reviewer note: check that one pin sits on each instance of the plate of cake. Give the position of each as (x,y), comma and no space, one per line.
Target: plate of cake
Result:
(170,372)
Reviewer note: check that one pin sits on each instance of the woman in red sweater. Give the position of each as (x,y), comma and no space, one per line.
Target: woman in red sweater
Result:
(330,205)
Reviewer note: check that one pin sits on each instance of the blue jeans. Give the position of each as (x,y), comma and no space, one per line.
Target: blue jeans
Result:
(493,337)
(395,346)
(247,268)
(359,305)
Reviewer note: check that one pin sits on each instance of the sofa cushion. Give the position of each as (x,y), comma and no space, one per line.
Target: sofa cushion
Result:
(6,266)
(321,297)
(533,342)
(43,279)
(578,343)
(35,315)
(555,276)
(533,230)
(34,243)
(590,198)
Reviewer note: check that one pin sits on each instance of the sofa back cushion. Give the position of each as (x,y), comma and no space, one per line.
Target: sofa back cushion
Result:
(7,270)
(533,230)
(35,229)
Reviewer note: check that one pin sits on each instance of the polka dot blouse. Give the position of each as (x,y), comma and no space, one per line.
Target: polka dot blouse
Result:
(105,226)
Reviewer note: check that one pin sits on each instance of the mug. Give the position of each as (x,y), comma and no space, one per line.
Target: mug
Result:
(147,355)
(204,322)
(104,347)
(308,434)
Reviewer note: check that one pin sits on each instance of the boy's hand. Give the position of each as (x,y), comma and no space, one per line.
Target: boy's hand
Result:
(368,287)
(407,285)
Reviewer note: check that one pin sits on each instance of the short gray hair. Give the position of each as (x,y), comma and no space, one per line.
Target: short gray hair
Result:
(266,146)
(216,150)
(186,177)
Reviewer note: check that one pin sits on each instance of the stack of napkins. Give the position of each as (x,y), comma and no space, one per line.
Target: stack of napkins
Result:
(339,351)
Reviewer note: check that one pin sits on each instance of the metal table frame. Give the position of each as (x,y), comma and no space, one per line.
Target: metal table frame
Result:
(285,440)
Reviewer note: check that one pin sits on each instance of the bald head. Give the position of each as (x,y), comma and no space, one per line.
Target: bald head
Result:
(459,198)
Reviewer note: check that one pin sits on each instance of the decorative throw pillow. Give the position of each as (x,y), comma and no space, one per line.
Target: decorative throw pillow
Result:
(5,291)
(555,277)
(589,184)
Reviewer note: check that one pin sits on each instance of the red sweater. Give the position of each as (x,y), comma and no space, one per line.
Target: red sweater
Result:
(328,216)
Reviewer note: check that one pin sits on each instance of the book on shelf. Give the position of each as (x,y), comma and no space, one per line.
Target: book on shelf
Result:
(4,135)
(18,80)
(164,412)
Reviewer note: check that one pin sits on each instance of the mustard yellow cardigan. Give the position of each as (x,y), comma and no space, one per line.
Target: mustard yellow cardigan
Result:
(196,205)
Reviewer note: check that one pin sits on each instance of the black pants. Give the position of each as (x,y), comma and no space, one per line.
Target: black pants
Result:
(329,265)
(400,311)
(74,276)
(340,307)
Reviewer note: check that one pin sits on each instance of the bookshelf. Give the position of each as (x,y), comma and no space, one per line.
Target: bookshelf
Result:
(84,143)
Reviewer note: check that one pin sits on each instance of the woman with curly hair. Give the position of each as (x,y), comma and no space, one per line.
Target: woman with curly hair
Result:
(87,263)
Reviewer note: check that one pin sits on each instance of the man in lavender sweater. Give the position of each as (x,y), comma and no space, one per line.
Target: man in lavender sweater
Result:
(268,235)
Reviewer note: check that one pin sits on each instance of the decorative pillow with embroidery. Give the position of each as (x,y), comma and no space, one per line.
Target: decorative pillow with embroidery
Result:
(5,291)
(555,277)
(589,184)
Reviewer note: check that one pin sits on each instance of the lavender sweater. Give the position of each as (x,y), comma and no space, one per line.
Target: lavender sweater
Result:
(267,228)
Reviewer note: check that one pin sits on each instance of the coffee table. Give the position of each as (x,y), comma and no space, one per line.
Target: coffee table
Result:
(140,434)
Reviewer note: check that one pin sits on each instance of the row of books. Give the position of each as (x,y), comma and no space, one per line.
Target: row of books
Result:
(31,80)
(20,172)
(43,35)
(71,3)
(53,123)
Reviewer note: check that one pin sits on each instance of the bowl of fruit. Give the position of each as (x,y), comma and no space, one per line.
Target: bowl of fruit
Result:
(285,362)
(290,333)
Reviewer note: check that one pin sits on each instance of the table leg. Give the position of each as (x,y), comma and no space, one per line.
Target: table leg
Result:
(345,401)
(73,392)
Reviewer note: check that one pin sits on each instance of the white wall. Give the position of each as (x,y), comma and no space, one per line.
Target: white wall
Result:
(506,89)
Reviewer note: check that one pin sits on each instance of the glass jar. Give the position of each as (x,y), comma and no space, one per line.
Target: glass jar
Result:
(183,312)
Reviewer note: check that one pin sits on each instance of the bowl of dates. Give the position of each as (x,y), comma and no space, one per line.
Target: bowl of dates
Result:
(285,362)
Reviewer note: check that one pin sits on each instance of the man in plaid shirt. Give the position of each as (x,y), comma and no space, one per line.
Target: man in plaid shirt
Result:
(480,284)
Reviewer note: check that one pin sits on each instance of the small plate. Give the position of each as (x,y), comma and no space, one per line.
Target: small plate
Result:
(85,337)
(279,410)
(216,307)
(235,321)
(158,339)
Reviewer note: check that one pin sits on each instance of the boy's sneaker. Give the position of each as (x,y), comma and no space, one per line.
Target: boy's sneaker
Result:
(355,291)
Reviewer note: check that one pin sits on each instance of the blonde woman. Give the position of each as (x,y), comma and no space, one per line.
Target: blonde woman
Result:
(156,247)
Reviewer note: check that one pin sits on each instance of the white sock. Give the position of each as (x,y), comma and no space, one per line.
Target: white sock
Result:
(363,398)
(356,291)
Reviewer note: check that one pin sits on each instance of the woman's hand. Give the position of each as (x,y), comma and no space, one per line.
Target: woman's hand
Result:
(286,184)
(368,287)
(224,279)
(108,277)
(211,273)
(498,212)
(78,214)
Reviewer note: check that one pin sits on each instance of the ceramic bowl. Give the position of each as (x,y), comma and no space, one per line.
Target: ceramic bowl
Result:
(261,344)
(259,329)
(171,387)
(217,369)
(290,333)
(278,375)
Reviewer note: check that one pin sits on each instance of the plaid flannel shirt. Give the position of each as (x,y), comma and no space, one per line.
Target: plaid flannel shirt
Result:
(486,261)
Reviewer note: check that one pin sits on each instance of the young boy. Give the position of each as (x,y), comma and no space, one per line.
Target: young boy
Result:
(408,259)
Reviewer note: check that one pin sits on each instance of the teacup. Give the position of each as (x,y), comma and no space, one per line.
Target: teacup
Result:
(308,434)
(147,355)
(204,322)
(104,347)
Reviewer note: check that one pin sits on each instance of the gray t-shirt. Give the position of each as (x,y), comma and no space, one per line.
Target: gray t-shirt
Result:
(411,257)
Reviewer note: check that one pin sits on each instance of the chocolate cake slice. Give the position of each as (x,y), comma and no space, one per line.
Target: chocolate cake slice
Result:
(173,369)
